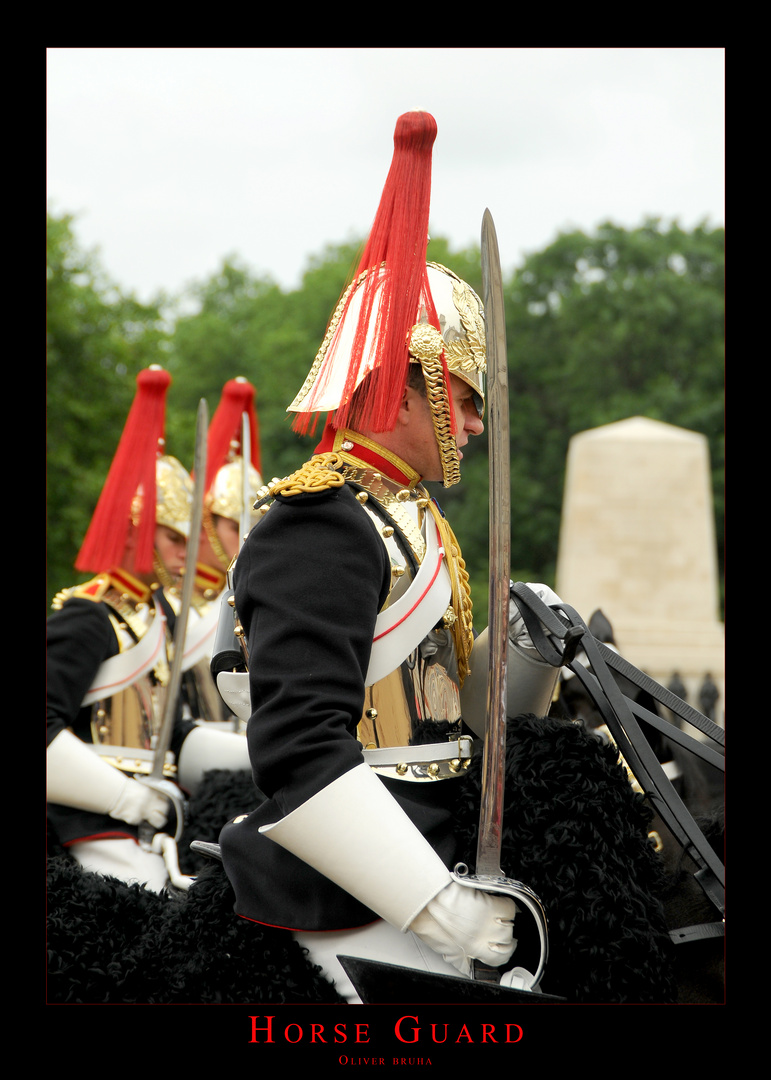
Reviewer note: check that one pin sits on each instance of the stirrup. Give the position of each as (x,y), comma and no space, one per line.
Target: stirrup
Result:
(209,851)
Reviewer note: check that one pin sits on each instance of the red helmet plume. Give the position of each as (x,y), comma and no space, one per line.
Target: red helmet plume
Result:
(238,397)
(375,316)
(132,473)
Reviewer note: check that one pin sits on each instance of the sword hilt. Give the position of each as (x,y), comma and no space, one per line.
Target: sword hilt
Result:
(523,896)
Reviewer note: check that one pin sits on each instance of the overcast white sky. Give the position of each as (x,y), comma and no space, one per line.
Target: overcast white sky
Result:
(171,159)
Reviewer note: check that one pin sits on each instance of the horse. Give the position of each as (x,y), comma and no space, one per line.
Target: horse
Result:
(576,832)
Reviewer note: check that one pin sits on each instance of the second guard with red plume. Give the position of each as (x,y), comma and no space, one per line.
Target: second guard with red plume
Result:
(109,661)
(108,655)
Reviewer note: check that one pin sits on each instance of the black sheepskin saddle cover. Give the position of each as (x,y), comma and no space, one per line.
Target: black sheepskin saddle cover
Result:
(575,832)
(109,942)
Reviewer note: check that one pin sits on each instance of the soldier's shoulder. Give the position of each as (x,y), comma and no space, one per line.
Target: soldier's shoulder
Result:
(93,590)
(318,478)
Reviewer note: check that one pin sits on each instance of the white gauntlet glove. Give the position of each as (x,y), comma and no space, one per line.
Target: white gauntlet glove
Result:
(395,872)
(78,777)
(463,924)
(138,802)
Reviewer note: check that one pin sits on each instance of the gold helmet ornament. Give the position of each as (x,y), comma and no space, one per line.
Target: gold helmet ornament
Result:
(140,475)
(225,460)
(398,310)
(173,495)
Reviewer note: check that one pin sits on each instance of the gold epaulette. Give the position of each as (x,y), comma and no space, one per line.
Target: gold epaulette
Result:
(317,475)
(88,590)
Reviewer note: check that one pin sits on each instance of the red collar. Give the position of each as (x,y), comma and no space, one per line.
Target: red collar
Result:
(360,450)
(130,586)
(208,579)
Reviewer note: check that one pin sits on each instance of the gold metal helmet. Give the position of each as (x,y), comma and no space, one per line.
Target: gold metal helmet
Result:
(460,342)
(225,497)
(399,310)
(173,495)
(462,321)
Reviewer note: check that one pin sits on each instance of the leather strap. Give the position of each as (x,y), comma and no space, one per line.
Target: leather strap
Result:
(201,631)
(125,668)
(461,749)
(402,626)
(548,628)
(699,932)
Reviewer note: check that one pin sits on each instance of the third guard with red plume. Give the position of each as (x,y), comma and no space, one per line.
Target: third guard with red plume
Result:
(227,491)
(107,659)
(223,510)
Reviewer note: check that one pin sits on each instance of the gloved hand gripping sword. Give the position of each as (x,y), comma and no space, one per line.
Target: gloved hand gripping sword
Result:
(489,877)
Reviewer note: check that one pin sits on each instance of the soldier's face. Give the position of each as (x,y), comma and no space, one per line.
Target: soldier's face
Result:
(228,536)
(227,533)
(171,548)
(420,448)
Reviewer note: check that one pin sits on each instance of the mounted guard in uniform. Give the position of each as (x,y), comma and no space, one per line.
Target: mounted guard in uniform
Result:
(109,657)
(353,595)
(108,654)
(232,481)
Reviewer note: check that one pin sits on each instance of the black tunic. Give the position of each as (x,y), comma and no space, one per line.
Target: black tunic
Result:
(309,583)
(80,637)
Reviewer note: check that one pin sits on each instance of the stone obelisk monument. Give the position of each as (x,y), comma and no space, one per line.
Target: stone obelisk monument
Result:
(637,541)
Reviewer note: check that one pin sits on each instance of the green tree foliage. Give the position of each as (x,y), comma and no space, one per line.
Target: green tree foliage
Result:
(241,325)
(97,341)
(599,328)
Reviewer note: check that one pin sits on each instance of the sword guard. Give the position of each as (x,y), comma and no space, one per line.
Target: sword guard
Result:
(520,893)
(175,797)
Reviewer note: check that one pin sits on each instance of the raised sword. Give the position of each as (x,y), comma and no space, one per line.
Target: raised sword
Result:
(488,876)
(155,778)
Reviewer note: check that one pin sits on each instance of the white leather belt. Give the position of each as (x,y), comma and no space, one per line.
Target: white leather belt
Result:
(199,638)
(459,749)
(401,628)
(131,758)
(125,668)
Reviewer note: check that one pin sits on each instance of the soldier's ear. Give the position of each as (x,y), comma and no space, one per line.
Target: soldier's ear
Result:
(410,398)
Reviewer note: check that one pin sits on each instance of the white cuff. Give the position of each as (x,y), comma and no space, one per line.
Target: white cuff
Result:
(356,834)
(76,776)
